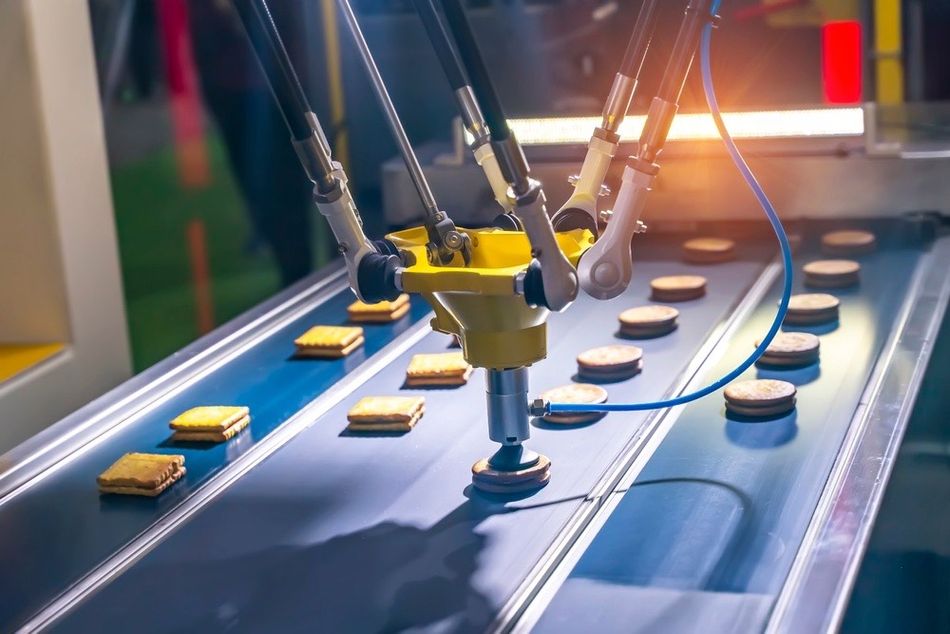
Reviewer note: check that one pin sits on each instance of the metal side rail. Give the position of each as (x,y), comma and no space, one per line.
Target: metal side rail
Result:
(822,577)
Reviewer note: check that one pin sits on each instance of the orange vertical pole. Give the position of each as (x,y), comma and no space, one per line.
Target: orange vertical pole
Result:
(200,275)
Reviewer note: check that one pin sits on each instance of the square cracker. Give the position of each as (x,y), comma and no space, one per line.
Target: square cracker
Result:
(329,337)
(330,353)
(438,366)
(358,309)
(377,318)
(141,470)
(406,425)
(147,492)
(219,435)
(378,409)
(209,418)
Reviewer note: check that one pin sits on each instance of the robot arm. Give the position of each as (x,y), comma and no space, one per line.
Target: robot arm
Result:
(552,281)
(372,275)
(605,270)
(580,210)
(468,108)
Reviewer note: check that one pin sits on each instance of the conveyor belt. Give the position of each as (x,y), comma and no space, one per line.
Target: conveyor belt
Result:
(384,532)
(55,528)
(704,538)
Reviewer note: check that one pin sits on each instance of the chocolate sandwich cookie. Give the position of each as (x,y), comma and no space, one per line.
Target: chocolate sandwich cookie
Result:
(791,349)
(709,250)
(610,363)
(492,479)
(760,397)
(644,322)
(677,288)
(574,393)
(848,243)
(810,309)
(832,273)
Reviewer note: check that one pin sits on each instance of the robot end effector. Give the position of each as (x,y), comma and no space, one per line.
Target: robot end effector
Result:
(606,268)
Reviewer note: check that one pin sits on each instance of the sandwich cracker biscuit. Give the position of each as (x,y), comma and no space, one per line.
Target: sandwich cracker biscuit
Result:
(438,369)
(141,474)
(209,418)
(386,413)
(331,342)
(381,312)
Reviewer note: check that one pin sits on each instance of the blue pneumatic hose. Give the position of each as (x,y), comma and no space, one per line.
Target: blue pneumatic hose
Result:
(779,233)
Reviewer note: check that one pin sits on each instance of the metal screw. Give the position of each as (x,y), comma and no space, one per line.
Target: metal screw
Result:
(641,228)
(605,190)
(573,179)
(606,215)
(453,240)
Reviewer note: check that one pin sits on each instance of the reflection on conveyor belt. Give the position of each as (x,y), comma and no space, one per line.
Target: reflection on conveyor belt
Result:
(334,486)
(66,529)
(722,505)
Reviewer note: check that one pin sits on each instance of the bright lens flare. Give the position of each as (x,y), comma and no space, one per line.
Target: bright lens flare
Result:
(775,124)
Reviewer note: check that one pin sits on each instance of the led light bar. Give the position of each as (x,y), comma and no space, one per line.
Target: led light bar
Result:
(775,124)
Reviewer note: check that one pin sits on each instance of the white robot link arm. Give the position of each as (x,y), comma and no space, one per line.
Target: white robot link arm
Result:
(605,270)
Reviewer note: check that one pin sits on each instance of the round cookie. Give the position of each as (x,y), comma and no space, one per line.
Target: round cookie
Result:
(761,412)
(832,273)
(648,321)
(759,393)
(535,476)
(849,242)
(574,393)
(708,250)
(610,363)
(791,349)
(812,308)
(677,288)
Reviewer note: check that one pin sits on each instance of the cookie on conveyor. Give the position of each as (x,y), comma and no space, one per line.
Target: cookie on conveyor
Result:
(329,342)
(610,363)
(385,413)
(848,243)
(644,322)
(380,312)
(709,250)
(832,273)
(584,393)
(791,349)
(491,480)
(760,398)
(143,474)
(210,423)
(677,288)
(442,369)
(810,309)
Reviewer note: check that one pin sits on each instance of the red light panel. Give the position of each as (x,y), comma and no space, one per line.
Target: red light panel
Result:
(841,61)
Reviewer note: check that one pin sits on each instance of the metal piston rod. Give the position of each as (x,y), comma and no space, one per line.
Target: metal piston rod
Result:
(444,239)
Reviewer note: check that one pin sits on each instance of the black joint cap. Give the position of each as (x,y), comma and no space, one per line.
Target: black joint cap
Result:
(385,247)
(508,222)
(574,218)
(534,286)
(376,277)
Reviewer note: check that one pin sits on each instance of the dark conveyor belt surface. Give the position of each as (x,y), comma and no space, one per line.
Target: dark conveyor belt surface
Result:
(704,539)
(342,533)
(58,528)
